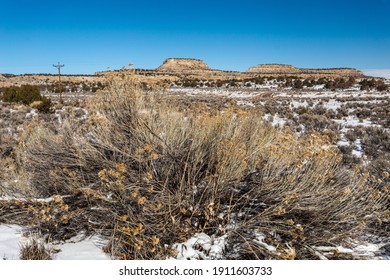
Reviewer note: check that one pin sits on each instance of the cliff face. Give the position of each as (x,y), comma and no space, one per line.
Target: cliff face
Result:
(282,69)
(182,64)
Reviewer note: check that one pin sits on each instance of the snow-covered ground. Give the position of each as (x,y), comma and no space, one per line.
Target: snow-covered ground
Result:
(10,236)
(81,248)
(202,246)
(199,247)
(77,248)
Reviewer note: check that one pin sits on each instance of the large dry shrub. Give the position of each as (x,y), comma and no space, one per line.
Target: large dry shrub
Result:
(147,174)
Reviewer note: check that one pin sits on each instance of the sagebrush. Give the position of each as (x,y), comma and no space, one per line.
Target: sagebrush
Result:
(147,173)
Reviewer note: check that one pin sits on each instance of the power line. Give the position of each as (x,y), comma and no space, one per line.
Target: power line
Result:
(59,66)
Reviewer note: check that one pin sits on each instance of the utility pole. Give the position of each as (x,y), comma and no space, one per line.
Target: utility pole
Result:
(59,66)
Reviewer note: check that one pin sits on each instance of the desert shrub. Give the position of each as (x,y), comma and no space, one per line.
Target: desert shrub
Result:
(316,122)
(43,105)
(146,174)
(342,112)
(376,141)
(340,83)
(321,81)
(369,84)
(308,83)
(27,94)
(300,110)
(382,87)
(298,84)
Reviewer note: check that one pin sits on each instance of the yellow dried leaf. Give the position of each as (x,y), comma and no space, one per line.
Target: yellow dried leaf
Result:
(148,148)
(134,194)
(290,222)
(155,240)
(121,167)
(153,156)
(141,200)
(124,217)
(57,198)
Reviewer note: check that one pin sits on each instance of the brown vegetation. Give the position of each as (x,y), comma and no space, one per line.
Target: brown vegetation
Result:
(33,249)
(146,172)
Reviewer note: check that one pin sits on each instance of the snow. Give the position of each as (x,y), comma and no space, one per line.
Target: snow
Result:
(57,114)
(232,93)
(317,87)
(201,247)
(358,250)
(81,248)
(260,237)
(277,121)
(342,142)
(9,241)
(339,249)
(358,150)
(367,250)
(77,248)
(297,104)
(353,121)
(32,114)
(332,104)
(45,200)
(245,103)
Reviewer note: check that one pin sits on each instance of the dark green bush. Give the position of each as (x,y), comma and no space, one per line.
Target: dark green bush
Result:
(298,84)
(45,105)
(27,94)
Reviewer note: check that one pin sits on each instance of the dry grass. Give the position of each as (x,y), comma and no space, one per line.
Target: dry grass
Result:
(33,249)
(146,174)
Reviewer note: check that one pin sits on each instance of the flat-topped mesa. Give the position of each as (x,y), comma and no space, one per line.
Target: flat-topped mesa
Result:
(343,72)
(182,64)
(274,69)
(283,69)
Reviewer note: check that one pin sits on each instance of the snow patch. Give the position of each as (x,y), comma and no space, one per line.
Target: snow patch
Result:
(201,247)
(9,241)
(77,248)
(81,248)
(260,237)
(32,114)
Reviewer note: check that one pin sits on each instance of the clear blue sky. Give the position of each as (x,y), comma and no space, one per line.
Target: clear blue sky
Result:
(88,36)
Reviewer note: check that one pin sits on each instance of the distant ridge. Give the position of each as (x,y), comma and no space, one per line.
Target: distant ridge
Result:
(196,68)
(284,69)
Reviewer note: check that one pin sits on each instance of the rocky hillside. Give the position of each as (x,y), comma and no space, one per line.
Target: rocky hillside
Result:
(283,69)
(182,64)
